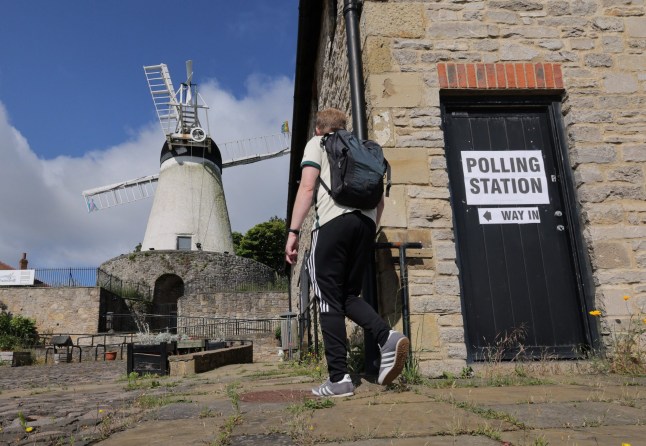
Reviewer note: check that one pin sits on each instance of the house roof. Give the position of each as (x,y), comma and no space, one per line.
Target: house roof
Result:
(4,266)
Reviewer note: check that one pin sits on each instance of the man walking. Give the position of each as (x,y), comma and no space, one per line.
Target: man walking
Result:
(342,241)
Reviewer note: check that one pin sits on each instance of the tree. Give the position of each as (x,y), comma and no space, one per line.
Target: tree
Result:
(237,238)
(265,243)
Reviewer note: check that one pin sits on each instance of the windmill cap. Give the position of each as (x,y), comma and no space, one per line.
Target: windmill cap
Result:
(207,149)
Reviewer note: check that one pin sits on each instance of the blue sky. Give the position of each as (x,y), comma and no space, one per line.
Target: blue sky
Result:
(76,113)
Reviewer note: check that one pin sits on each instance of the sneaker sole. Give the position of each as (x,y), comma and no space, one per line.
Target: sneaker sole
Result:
(401,354)
(334,396)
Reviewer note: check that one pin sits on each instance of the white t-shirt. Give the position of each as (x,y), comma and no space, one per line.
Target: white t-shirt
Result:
(326,208)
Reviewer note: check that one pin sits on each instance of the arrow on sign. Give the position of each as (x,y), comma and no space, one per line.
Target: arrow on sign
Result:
(487,215)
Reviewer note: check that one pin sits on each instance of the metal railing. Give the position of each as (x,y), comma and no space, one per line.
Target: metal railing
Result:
(194,326)
(123,288)
(89,277)
(207,327)
(65,277)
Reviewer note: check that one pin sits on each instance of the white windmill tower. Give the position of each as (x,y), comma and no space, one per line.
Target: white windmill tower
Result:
(189,211)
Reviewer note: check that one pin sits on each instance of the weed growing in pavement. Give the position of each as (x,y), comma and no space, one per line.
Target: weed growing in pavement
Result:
(488,413)
(356,351)
(299,425)
(310,365)
(627,343)
(146,401)
(224,437)
(507,347)
(209,413)
(411,373)
(311,404)
(234,395)
(487,431)
(23,420)
(146,381)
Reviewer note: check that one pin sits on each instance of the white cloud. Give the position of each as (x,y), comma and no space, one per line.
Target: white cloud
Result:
(42,211)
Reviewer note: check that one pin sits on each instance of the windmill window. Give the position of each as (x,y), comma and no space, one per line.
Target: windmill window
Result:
(184,242)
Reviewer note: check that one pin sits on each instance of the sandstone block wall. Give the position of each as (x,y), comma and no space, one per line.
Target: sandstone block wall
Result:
(235,305)
(56,310)
(600,48)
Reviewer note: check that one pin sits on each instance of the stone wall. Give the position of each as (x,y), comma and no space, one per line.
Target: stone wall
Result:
(219,269)
(600,46)
(55,310)
(235,305)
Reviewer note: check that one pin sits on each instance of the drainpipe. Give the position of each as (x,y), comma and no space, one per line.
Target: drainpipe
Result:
(355,67)
(358,103)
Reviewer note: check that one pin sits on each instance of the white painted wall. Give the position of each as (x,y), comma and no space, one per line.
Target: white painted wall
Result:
(189,200)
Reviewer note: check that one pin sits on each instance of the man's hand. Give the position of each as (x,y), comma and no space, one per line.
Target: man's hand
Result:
(291,248)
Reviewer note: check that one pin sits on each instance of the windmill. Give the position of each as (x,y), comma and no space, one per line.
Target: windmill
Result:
(189,210)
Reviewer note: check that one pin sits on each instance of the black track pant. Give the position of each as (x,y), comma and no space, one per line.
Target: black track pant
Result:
(340,251)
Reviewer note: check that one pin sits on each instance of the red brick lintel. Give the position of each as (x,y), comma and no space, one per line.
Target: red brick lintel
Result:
(512,75)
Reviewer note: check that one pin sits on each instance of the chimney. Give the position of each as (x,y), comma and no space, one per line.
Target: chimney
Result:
(24,262)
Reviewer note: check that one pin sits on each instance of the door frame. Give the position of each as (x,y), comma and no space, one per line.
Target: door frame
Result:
(578,251)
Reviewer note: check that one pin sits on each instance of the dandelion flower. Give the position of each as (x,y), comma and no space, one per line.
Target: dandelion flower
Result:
(100,410)
(29,429)
(595,313)
(625,444)
(644,320)
(626,297)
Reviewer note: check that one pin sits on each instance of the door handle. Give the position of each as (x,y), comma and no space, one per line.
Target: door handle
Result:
(558,214)
(560,228)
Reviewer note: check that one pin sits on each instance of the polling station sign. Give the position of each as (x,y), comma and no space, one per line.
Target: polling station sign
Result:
(504,177)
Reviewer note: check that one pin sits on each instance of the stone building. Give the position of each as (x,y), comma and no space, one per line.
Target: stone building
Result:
(516,132)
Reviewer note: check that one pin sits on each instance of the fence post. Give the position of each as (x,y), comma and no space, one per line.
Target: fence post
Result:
(108,321)
(287,332)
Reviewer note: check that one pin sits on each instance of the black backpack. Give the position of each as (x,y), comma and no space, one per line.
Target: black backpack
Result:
(357,170)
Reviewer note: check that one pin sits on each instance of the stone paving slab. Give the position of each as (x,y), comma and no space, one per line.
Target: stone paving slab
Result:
(536,394)
(461,440)
(170,432)
(348,422)
(60,375)
(93,403)
(573,415)
(597,436)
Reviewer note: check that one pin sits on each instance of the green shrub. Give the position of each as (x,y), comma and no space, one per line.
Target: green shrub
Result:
(16,331)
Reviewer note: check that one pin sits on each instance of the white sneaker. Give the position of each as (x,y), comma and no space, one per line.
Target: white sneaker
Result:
(330,389)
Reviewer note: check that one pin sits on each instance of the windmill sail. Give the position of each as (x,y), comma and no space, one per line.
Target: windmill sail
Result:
(189,210)
(236,153)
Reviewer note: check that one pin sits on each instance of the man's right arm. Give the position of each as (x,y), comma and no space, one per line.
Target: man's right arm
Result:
(302,204)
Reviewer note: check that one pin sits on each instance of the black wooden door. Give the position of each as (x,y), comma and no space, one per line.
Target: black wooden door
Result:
(515,254)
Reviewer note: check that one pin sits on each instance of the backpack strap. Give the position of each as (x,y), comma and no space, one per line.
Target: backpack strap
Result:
(324,138)
(388,180)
